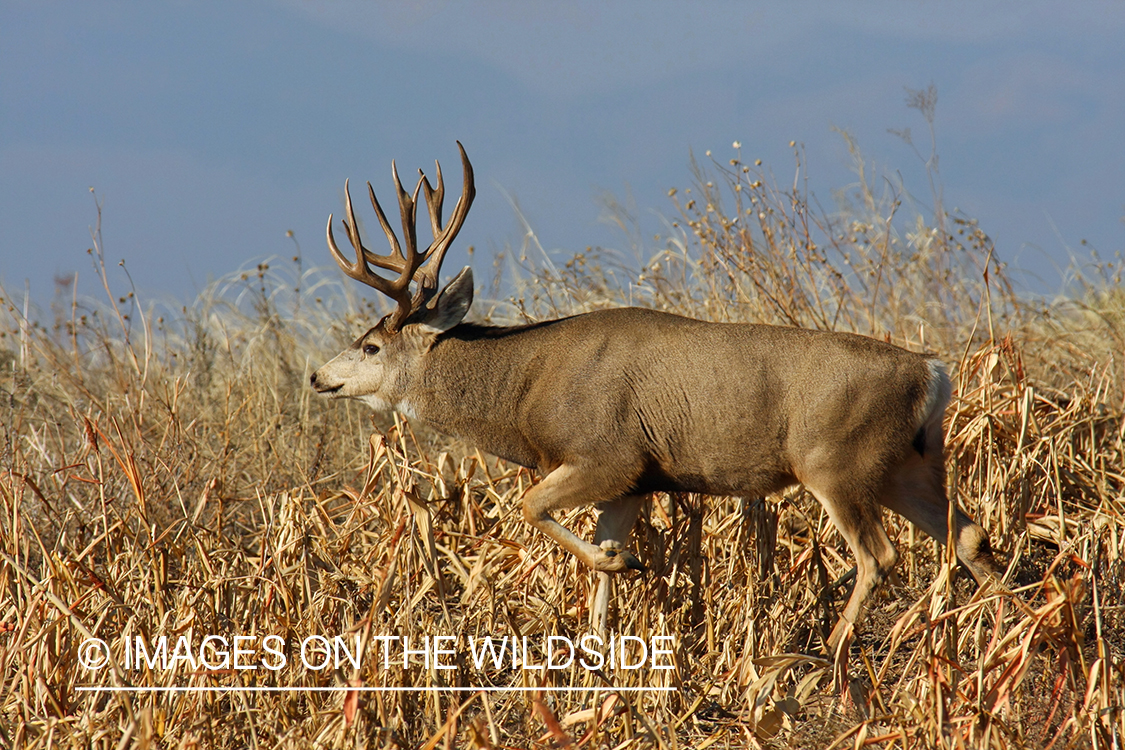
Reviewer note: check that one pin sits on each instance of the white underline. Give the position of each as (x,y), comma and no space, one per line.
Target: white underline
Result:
(344,689)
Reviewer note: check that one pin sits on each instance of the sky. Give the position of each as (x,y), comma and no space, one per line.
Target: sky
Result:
(211,130)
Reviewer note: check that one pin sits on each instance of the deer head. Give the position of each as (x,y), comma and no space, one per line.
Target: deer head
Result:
(380,363)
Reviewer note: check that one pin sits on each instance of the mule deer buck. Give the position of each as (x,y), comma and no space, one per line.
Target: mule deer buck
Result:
(617,404)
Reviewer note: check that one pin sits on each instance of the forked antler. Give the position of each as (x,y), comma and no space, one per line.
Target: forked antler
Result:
(404,259)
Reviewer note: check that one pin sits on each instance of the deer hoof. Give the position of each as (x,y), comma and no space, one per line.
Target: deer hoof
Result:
(617,560)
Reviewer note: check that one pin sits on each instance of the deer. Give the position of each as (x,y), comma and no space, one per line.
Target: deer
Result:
(614,405)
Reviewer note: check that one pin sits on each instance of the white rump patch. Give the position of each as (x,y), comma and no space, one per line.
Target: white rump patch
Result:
(938,392)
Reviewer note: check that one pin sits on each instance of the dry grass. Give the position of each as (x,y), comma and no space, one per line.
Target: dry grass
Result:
(173,475)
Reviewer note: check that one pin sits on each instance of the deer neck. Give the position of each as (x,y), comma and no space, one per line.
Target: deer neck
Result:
(470,386)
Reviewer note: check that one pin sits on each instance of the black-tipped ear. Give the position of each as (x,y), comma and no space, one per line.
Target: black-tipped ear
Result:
(452,304)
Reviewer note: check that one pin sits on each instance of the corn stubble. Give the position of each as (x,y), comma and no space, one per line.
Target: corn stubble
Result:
(172,475)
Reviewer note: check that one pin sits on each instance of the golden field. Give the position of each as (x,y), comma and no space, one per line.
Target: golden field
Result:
(168,472)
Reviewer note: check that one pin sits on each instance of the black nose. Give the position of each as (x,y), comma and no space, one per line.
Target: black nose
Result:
(312,380)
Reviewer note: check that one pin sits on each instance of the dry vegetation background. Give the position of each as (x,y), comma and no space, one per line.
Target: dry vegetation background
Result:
(169,472)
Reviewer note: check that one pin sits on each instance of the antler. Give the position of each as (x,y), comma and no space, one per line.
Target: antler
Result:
(404,259)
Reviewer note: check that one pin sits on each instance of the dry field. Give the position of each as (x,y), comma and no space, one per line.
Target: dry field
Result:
(168,473)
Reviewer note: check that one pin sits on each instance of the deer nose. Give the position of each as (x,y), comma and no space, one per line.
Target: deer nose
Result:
(320,386)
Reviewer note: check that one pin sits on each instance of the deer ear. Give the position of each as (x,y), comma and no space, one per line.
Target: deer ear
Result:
(452,304)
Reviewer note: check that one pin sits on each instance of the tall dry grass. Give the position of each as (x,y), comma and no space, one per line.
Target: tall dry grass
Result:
(168,472)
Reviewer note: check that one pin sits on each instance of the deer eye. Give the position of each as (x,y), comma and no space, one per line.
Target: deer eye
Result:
(370,350)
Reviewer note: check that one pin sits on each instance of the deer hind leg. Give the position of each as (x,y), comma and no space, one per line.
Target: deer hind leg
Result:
(616,519)
(917,492)
(858,518)
(569,487)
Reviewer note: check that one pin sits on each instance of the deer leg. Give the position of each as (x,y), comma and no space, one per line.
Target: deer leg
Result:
(569,487)
(615,522)
(616,519)
(917,492)
(858,518)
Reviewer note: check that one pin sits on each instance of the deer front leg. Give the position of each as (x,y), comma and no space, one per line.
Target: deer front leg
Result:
(616,519)
(570,487)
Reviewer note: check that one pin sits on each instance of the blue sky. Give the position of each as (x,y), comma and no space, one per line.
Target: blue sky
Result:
(209,129)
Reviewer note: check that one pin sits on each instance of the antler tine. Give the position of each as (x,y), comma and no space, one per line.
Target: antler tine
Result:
(350,225)
(427,275)
(398,289)
(358,270)
(395,260)
(341,261)
(408,208)
(434,198)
